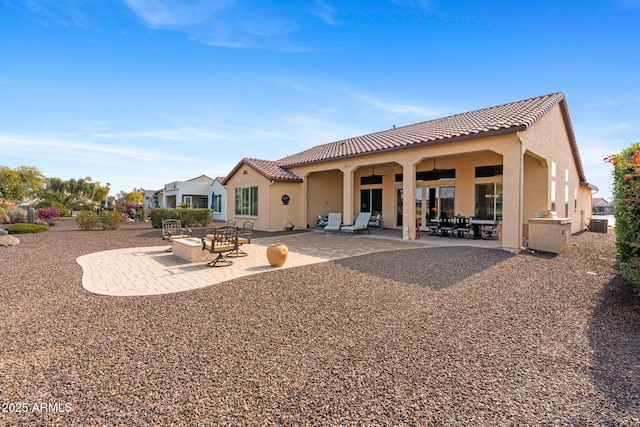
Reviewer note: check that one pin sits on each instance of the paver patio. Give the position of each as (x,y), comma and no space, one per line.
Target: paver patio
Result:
(152,271)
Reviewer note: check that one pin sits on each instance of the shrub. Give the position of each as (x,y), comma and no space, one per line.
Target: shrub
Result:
(48,214)
(187,217)
(4,218)
(111,220)
(626,190)
(87,220)
(17,215)
(26,228)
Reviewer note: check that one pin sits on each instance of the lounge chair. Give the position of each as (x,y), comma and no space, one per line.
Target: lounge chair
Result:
(172,229)
(333,222)
(361,224)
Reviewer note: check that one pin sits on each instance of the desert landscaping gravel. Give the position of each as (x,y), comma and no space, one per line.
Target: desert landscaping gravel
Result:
(418,337)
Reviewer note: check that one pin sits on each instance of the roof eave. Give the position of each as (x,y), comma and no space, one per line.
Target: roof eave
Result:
(458,138)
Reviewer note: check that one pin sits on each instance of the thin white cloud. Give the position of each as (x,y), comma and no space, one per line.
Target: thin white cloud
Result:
(396,109)
(88,150)
(175,13)
(178,135)
(326,13)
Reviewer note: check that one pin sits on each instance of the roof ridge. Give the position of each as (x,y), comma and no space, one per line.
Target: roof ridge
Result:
(507,117)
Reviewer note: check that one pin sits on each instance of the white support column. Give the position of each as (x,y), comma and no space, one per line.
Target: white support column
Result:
(408,201)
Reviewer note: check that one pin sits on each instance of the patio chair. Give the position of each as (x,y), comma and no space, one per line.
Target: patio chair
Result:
(463,226)
(445,227)
(491,229)
(172,229)
(376,222)
(333,222)
(361,224)
(223,240)
(244,238)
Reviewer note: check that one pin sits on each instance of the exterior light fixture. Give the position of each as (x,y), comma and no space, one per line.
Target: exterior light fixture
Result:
(285,199)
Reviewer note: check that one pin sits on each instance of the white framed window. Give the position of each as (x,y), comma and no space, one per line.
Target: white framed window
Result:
(247,201)
(217,203)
(553,169)
(187,200)
(553,195)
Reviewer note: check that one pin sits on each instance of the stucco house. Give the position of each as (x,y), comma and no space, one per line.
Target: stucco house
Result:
(509,161)
(195,192)
(602,207)
(153,199)
(218,199)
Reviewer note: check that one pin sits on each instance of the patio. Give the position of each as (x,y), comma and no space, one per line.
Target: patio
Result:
(152,271)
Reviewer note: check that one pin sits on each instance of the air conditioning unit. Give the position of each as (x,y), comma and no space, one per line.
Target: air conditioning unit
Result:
(599,225)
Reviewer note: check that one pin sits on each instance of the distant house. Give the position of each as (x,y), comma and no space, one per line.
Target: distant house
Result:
(153,199)
(602,207)
(509,162)
(218,199)
(194,192)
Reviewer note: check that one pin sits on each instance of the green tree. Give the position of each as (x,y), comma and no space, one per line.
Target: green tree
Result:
(21,183)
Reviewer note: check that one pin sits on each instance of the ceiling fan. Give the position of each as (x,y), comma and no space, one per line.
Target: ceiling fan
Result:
(373,173)
(435,172)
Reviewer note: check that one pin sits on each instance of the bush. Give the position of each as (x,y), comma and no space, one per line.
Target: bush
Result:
(48,214)
(87,220)
(26,228)
(17,215)
(4,218)
(111,220)
(187,217)
(626,189)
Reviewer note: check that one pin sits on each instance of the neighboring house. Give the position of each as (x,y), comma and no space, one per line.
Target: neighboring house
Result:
(153,199)
(509,161)
(602,207)
(194,192)
(218,199)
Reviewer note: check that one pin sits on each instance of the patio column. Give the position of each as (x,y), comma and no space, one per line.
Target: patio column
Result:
(512,199)
(347,194)
(409,200)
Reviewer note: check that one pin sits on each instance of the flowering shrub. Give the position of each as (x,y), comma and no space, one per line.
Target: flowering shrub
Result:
(626,188)
(49,213)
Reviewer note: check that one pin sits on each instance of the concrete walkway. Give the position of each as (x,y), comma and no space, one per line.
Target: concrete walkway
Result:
(152,271)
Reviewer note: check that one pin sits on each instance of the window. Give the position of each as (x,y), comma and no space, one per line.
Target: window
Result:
(186,200)
(553,195)
(488,201)
(217,203)
(247,201)
(447,199)
(371,201)
(488,171)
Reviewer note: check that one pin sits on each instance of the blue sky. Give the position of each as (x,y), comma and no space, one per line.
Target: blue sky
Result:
(139,93)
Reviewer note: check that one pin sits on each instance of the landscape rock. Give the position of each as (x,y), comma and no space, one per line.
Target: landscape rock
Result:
(7,240)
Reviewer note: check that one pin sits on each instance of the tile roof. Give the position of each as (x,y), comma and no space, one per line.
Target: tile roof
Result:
(268,168)
(506,118)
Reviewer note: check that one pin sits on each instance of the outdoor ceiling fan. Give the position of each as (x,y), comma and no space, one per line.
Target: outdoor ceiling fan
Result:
(373,173)
(435,171)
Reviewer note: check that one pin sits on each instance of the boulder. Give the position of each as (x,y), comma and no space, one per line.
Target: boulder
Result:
(7,240)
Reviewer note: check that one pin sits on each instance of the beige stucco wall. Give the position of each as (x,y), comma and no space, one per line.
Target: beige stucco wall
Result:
(549,140)
(324,194)
(279,214)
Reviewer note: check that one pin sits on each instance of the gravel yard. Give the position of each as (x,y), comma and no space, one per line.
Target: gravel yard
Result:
(426,337)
